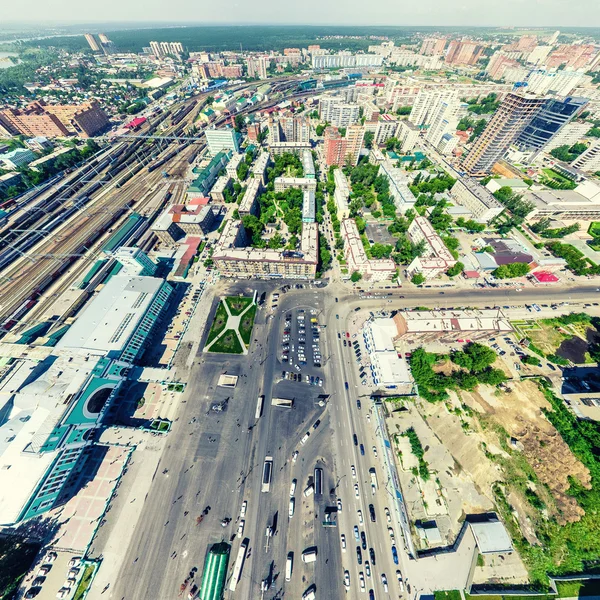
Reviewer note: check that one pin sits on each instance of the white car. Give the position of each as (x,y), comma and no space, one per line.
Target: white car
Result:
(384,582)
(244,508)
(293,487)
(339,505)
(347,579)
(295,456)
(240,529)
(361,578)
(367,568)
(353,469)
(387,514)
(360,517)
(391,532)
(356,492)
(343,541)
(375,451)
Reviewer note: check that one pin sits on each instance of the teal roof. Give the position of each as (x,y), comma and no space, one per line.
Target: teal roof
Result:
(54,338)
(393,155)
(208,171)
(92,272)
(34,332)
(118,266)
(122,233)
(215,572)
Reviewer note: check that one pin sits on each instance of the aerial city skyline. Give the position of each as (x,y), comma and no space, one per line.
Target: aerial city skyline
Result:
(299,312)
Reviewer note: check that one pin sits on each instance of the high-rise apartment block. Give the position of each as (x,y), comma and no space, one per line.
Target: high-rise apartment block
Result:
(477,199)
(386,128)
(288,127)
(338,113)
(91,40)
(257,67)
(346,59)
(160,49)
(340,150)
(498,65)
(463,53)
(408,135)
(507,123)
(433,46)
(590,160)
(56,120)
(546,124)
(561,83)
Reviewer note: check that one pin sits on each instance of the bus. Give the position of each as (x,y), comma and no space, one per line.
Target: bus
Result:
(289,565)
(259,407)
(267,474)
(239,565)
(318,481)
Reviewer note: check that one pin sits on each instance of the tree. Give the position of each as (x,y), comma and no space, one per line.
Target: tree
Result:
(418,279)
(242,170)
(510,271)
(240,122)
(355,277)
(254,227)
(368,139)
(276,242)
(404,110)
(381,250)
(455,270)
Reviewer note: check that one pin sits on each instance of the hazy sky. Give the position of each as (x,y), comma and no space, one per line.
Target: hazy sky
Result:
(560,13)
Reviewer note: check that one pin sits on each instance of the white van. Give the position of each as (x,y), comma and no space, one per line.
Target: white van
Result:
(289,565)
(309,556)
(292,506)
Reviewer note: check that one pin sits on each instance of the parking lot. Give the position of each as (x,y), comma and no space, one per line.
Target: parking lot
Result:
(300,347)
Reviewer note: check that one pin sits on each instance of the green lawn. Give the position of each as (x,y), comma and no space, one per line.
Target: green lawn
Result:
(237,304)
(218,324)
(447,595)
(85,582)
(228,343)
(589,587)
(594,228)
(247,323)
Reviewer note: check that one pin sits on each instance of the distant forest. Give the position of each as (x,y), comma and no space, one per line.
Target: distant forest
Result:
(275,37)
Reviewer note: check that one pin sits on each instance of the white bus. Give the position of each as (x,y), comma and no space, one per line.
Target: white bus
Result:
(239,565)
(267,474)
(259,407)
(289,565)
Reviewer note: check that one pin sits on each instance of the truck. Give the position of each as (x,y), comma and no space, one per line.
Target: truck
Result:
(318,481)
(267,474)
(289,566)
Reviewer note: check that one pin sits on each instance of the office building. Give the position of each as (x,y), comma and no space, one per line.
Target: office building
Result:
(308,206)
(547,123)
(341,194)
(463,53)
(91,40)
(308,164)
(233,258)
(220,140)
(507,123)
(477,199)
(207,175)
(433,46)
(135,262)
(408,135)
(346,59)
(338,113)
(436,258)
(589,161)
(356,257)
(303,183)
(20,157)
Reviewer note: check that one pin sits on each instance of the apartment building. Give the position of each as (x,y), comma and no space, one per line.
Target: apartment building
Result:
(248,205)
(408,135)
(386,128)
(437,258)
(338,150)
(399,190)
(433,46)
(303,183)
(444,118)
(568,135)
(259,168)
(507,123)
(217,193)
(561,83)
(338,113)
(39,119)
(341,194)
(257,67)
(477,199)
(463,53)
(234,259)
(288,127)
(345,59)
(356,257)
(589,161)
(234,163)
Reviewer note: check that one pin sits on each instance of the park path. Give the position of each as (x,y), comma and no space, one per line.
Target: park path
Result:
(233,323)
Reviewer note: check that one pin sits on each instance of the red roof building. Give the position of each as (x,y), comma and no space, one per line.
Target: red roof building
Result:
(137,122)
(545,277)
